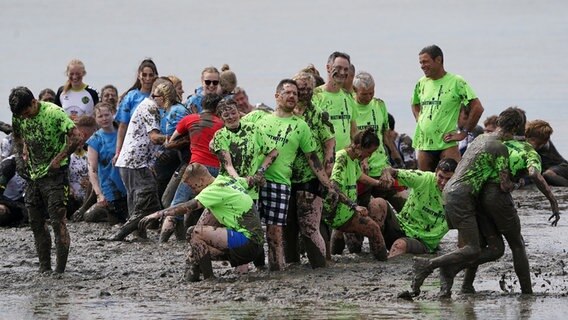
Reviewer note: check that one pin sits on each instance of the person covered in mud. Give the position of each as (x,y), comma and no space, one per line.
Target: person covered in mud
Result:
(331,98)
(105,178)
(306,199)
(44,138)
(554,166)
(485,162)
(12,208)
(288,134)
(436,105)
(347,215)
(240,237)
(421,224)
(201,128)
(498,207)
(142,142)
(372,113)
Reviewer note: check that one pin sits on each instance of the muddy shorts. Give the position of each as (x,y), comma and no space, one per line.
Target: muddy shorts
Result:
(499,206)
(460,209)
(245,253)
(273,203)
(313,186)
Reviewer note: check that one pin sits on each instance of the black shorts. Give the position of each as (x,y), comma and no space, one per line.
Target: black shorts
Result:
(245,253)
(313,186)
(461,209)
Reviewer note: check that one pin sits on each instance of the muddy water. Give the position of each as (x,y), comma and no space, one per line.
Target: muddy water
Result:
(133,280)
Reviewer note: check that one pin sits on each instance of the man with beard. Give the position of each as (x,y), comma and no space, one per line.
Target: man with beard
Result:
(288,133)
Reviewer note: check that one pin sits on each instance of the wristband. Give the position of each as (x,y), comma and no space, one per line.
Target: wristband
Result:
(353,205)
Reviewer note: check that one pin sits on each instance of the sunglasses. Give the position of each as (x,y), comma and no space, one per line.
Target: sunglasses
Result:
(209,82)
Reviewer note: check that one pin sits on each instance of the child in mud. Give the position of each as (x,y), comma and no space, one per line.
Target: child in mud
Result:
(44,138)
(347,216)
(239,240)
(485,162)
(421,224)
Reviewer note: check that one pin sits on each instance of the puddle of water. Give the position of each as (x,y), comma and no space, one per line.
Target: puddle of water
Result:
(475,307)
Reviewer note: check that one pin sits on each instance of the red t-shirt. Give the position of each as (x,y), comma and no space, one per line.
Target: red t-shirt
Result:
(201,128)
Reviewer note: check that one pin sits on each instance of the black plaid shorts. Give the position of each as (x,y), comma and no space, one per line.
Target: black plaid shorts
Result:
(273,203)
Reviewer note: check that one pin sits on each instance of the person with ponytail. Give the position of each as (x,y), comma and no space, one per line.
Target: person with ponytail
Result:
(76,97)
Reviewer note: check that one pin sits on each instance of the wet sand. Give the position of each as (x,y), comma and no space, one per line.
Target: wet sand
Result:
(143,279)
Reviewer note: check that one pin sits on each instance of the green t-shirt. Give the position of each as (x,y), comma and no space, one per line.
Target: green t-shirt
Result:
(45,136)
(482,162)
(254,116)
(339,106)
(440,102)
(287,135)
(346,172)
(228,201)
(423,216)
(522,155)
(321,132)
(248,147)
(374,115)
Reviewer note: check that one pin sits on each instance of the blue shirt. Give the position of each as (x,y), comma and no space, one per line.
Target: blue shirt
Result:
(195,100)
(109,177)
(172,117)
(129,104)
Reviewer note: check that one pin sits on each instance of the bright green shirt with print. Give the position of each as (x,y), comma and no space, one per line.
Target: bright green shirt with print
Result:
(287,135)
(228,201)
(440,104)
(345,174)
(339,106)
(423,216)
(374,115)
(522,156)
(254,116)
(247,146)
(321,132)
(482,162)
(45,136)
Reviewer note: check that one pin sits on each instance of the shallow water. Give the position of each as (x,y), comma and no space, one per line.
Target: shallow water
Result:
(64,307)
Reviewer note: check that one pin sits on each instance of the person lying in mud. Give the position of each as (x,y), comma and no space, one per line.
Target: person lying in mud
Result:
(421,224)
(347,216)
(485,162)
(554,166)
(498,207)
(239,240)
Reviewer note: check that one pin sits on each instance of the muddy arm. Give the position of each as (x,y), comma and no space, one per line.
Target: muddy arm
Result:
(541,184)
(177,210)
(73,140)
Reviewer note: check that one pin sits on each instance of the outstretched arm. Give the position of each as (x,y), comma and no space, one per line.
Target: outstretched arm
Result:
(541,184)
(177,210)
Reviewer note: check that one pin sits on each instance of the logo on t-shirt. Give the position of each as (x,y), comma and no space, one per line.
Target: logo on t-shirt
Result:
(85,100)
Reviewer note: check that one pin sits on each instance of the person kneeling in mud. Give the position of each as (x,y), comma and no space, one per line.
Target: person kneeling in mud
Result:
(347,216)
(421,224)
(240,240)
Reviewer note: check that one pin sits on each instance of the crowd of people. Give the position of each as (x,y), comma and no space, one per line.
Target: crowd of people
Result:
(322,171)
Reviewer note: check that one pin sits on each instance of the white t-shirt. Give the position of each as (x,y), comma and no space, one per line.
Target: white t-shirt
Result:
(78,103)
(137,150)
(78,172)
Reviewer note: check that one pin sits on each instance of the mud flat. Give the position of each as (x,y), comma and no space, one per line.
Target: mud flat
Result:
(133,280)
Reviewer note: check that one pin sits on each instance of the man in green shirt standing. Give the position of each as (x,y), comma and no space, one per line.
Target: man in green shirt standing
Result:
(436,104)
(331,98)
(44,138)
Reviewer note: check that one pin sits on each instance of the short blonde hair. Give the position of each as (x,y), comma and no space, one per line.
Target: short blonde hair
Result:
(538,129)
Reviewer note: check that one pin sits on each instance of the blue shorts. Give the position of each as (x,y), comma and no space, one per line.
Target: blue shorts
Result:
(236,239)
